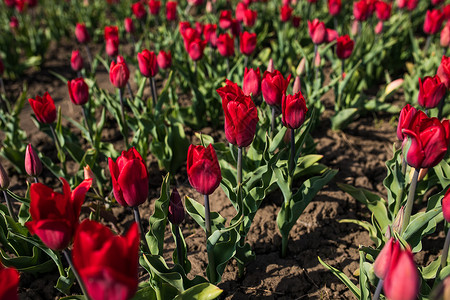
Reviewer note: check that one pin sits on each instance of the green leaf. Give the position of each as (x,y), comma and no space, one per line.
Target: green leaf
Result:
(430,271)
(147,293)
(203,291)
(422,224)
(342,118)
(363,278)
(185,263)
(394,181)
(345,280)
(197,212)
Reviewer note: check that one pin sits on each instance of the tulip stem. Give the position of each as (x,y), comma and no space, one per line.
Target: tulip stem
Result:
(137,218)
(342,68)
(398,201)
(130,90)
(122,111)
(427,44)
(292,158)
(377,293)
(178,242)
(86,120)
(441,107)
(10,207)
(245,61)
(239,166)
(316,69)
(59,149)
(241,228)
(445,250)
(89,55)
(272,123)
(410,201)
(77,275)
(211,262)
(153,89)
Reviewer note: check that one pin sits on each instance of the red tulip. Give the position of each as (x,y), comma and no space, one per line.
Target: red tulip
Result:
(10,3)
(78,91)
(317,31)
(112,46)
(444,71)
(195,2)
(240,11)
(225,45)
(407,116)
(446,12)
(296,21)
(225,19)
(199,28)
(154,6)
(427,142)
(189,35)
(293,108)
(431,91)
(433,21)
(129,178)
(147,63)
(82,34)
(285,13)
(247,43)
(383,10)
(54,215)
(9,283)
(171,10)
(241,115)
(402,280)
(412,4)
(344,46)
(176,209)
(119,73)
(273,87)
(107,264)
(236,27)
(203,169)
(209,32)
(129,25)
(33,165)
(437,2)
(446,205)
(250,17)
(164,59)
(445,36)
(139,10)
(76,61)
(334,7)
(111,32)
(331,35)
(361,10)
(44,108)
(382,263)
(196,48)
(252,82)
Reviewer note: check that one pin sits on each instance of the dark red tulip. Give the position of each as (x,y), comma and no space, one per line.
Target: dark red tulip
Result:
(296,21)
(252,82)
(446,12)
(407,116)
(383,10)
(154,7)
(199,28)
(129,178)
(236,27)
(285,13)
(112,47)
(76,61)
(9,283)
(129,25)
(182,26)
(250,17)
(344,46)
(189,35)
(171,10)
(331,35)
(431,91)
(209,33)
(119,73)
(148,64)
(195,49)
(444,71)
(433,21)
(317,31)
(33,165)
(203,169)
(411,4)
(164,59)
(111,32)
(10,3)
(334,7)
(225,45)
(107,263)
(176,208)
(293,108)
(225,19)
(44,108)
(273,87)
(82,34)
(361,10)
(247,43)
(241,115)
(437,2)
(78,91)
(55,216)
(139,10)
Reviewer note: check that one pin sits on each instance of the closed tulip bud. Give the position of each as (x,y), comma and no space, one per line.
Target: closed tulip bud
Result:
(247,43)
(383,10)
(317,60)
(431,91)
(445,36)
(270,66)
(273,87)
(78,91)
(13,23)
(344,47)
(301,66)
(203,169)
(354,28)
(164,59)
(398,222)
(107,264)
(139,10)
(361,10)
(225,45)
(4,179)
(317,31)
(433,21)
(240,11)
(154,7)
(209,32)
(171,10)
(382,263)
(129,25)
(446,206)
(250,17)
(33,165)
(297,85)
(112,47)
(252,82)
(225,19)
(111,32)
(285,13)
(334,7)
(209,7)
(293,108)
(88,174)
(402,279)
(76,61)
(196,48)
(379,27)
(9,283)
(296,21)
(444,71)
(129,178)
(44,108)
(241,115)
(119,73)
(148,64)
(82,34)
(176,208)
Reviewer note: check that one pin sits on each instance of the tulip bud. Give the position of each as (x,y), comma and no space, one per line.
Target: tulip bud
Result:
(147,63)
(88,174)
(82,34)
(285,13)
(241,7)
(33,165)
(112,46)
(225,45)
(252,82)
(293,108)
(209,7)
(361,10)
(4,179)
(446,206)
(334,7)
(225,19)
(433,21)
(176,208)
(250,17)
(297,85)
(398,222)
(296,21)
(203,169)
(139,10)
(431,91)
(317,59)
(344,47)
(154,7)
(273,87)
(383,10)
(78,91)
(196,48)
(354,29)
(171,10)
(445,36)
(164,59)
(129,25)
(44,108)
(444,71)
(76,61)
(383,261)
(317,31)
(270,67)
(301,67)
(379,27)
(247,43)
(119,73)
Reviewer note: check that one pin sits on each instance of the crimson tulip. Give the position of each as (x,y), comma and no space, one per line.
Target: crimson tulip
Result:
(225,19)
(209,32)
(344,47)
(433,21)
(334,7)
(112,46)
(171,10)
(54,215)
(148,64)
(44,108)
(285,13)
(250,17)
(76,61)
(293,108)
(252,82)
(111,32)
(296,21)
(411,4)
(446,206)
(195,49)
(176,209)
(33,165)
(139,10)
(427,142)
(444,71)
(407,117)
(317,31)
(203,169)
(446,12)
(241,115)
(119,73)
(361,10)
(239,13)
(382,263)
(9,283)
(199,28)
(247,43)
(383,10)
(431,91)
(78,91)
(236,27)
(129,25)
(189,35)
(154,7)
(82,34)
(164,59)
(225,45)
(106,263)
(273,87)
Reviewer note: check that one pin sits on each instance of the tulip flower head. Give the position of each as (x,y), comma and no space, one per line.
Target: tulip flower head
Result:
(252,82)
(209,32)
(407,115)
(82,34)
(445,36)
(383,261)
(154,7)
(33,164)
(164,59)
(250,17)
(383,10)
(293,108)
(239,13)
(78,91)
(176,208)
(334,7)
(285,13)
(247,43)
(171,10)
(119,73)
(444,71)
(76,61)
(446,206)
(139,10)
(225,19)
(44,108)
(225,45)
(273,87)
(361,10)
(433,21)
(431,91)
(344,47)
(129,25)
(196,48)
(317,31)
(203,169)
(148,64)
(9,283)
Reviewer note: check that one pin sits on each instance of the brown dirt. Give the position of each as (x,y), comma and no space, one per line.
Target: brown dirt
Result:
(359,153)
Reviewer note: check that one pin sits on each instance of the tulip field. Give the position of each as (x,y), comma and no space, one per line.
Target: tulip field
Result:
(218,149)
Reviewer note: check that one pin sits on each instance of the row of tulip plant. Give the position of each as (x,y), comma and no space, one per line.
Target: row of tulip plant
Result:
(195,53)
